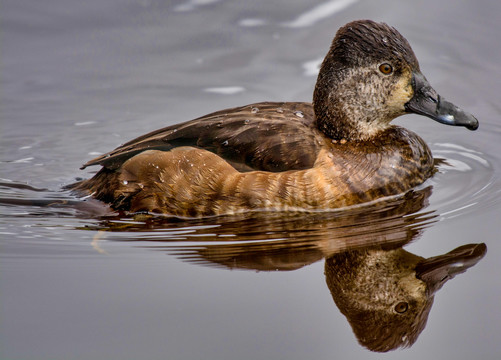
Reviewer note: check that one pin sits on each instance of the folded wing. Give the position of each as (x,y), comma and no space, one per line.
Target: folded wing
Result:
(265,136)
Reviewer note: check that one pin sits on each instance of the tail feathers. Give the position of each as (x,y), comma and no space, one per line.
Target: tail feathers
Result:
(102,186)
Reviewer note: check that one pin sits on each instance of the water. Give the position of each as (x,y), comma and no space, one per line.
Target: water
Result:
(79,78)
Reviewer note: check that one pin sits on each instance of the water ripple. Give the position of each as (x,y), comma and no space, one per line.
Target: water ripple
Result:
(466,181)
(319,12)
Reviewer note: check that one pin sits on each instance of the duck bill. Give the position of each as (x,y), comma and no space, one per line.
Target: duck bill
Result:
(427,102)
(436,270)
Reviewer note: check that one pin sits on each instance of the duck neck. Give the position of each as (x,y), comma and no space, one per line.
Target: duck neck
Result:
(340,110)
(332,118)
(334,125)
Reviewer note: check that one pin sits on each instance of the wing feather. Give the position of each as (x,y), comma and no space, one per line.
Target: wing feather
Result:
(263,136)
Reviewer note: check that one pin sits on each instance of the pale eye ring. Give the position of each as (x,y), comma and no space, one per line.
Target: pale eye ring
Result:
(386,68)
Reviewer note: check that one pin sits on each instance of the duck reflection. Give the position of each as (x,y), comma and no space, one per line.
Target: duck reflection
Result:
(384,291)
(387,294)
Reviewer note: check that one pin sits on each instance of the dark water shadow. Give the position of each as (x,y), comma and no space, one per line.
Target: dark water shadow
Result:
(384,291)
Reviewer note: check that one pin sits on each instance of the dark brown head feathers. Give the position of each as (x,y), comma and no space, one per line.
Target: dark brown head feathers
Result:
(357,50)
(365,41)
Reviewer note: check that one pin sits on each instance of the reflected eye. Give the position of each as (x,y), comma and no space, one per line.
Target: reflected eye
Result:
(386,68)
(401,307)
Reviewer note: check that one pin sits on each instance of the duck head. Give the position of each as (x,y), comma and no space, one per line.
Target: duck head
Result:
(371,76)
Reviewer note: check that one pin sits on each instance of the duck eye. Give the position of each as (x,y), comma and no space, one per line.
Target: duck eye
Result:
(401,307)
(386,68)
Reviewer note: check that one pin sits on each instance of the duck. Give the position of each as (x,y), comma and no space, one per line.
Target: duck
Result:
(338,151)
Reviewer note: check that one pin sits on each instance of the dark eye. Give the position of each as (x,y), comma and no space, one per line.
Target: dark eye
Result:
(401,307)
(386,68)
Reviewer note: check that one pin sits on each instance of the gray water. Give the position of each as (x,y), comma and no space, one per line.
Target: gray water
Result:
(78,78)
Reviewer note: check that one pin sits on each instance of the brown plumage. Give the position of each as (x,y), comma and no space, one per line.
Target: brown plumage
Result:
(338,151)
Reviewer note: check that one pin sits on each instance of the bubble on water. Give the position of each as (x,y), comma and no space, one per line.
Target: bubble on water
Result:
(312,67)
(225,90)
(23,160)
(84,123)
(319,12)
(251,22)
(254,110)
(299,114)
(191,5)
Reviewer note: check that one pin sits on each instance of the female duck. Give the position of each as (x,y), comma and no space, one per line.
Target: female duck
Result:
(339,151)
